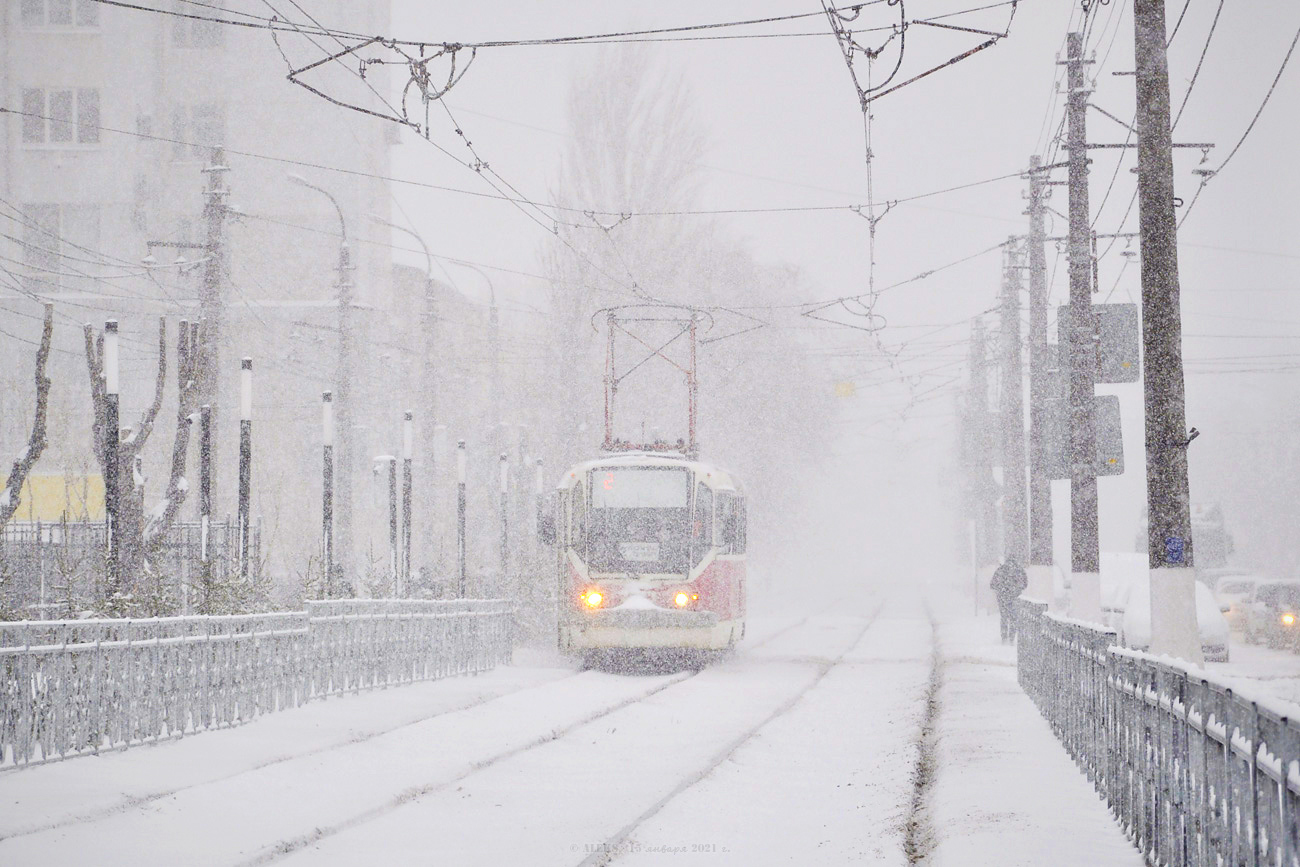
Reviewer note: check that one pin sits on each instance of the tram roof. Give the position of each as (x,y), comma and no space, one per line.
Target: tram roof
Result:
(715,476)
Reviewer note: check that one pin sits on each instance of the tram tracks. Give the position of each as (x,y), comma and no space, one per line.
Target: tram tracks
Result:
(611,847)
(287,847)
(136,816)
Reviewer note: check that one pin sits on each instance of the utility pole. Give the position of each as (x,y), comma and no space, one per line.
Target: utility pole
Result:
(327,490)
(982,459)
(245,459)
(212,302)
(1014,541)
(112,482)
(1040,485)
(1169,527)
(1085,558)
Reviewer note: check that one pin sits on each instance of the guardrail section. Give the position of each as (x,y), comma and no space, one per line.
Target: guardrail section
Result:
(1196,772)
(68,688)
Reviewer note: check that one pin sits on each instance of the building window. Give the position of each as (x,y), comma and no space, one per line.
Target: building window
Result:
(194,32)
(60,13)
(196,129)
(63,116)
(47,230)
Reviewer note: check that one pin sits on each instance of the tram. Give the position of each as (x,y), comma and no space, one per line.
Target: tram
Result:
(651,555)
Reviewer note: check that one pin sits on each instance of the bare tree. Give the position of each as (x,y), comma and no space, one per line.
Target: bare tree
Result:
(131,502)
(10,498)
(162,518)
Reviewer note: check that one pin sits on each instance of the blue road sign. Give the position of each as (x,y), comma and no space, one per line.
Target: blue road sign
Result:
(1173,550)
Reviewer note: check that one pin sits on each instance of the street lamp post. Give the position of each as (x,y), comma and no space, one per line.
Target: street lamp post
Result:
(112,500)
(245,460)
(327,490)
(343,389)
(428,389)
(460,517)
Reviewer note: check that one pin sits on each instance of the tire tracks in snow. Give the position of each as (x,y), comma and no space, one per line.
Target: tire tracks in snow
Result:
(918,838)
(284,848)
(612,846)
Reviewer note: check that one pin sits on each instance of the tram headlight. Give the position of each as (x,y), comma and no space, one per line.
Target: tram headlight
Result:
(682,599)
(1288,619)
(592,597)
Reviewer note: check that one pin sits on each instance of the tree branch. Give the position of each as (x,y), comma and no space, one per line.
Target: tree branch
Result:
(135,442)
(10,498)
(164,515)
(95,367)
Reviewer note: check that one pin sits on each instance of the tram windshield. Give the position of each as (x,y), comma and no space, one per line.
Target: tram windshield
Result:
(639,520)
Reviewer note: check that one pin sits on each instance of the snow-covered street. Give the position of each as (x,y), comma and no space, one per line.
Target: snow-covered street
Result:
(807,744)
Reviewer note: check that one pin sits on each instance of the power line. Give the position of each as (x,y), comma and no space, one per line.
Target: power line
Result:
(1205,178)
(281,25)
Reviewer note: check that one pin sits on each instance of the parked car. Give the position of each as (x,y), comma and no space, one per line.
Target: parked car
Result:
(1235,591)
(1136,630)
(1273,614)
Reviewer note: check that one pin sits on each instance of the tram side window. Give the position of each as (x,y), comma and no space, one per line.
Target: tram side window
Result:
(742,526)
(702,525)
(578,527)
(731,524)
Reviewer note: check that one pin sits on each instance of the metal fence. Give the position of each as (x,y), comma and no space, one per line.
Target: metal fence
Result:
(57,566)
(69,688)
(1195,772)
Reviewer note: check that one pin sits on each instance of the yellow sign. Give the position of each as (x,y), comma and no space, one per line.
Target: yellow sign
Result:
(49,497)
(845,389)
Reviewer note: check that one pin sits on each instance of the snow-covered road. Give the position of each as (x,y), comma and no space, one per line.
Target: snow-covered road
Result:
(802,748)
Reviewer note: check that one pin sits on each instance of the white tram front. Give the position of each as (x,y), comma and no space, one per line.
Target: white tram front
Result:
(651,555)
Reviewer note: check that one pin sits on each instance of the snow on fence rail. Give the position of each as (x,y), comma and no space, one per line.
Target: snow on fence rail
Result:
(73,687)
(1196,772)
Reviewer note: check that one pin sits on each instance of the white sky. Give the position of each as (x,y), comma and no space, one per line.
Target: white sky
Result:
(785,130)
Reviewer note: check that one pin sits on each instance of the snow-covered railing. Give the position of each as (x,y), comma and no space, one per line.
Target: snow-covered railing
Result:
(73,687)
(1196,770)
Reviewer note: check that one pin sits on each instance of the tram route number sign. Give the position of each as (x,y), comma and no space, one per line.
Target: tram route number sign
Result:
(639,552)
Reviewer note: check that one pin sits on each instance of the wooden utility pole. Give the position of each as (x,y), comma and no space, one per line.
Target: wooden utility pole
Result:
(1040,484)
(1015,543)
(1169,534)
(1085,557)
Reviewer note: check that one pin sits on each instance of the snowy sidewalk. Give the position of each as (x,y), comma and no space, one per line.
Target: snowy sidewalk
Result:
(1005,791)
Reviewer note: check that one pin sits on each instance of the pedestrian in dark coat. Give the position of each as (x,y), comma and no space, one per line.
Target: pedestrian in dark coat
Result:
(1009,581)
